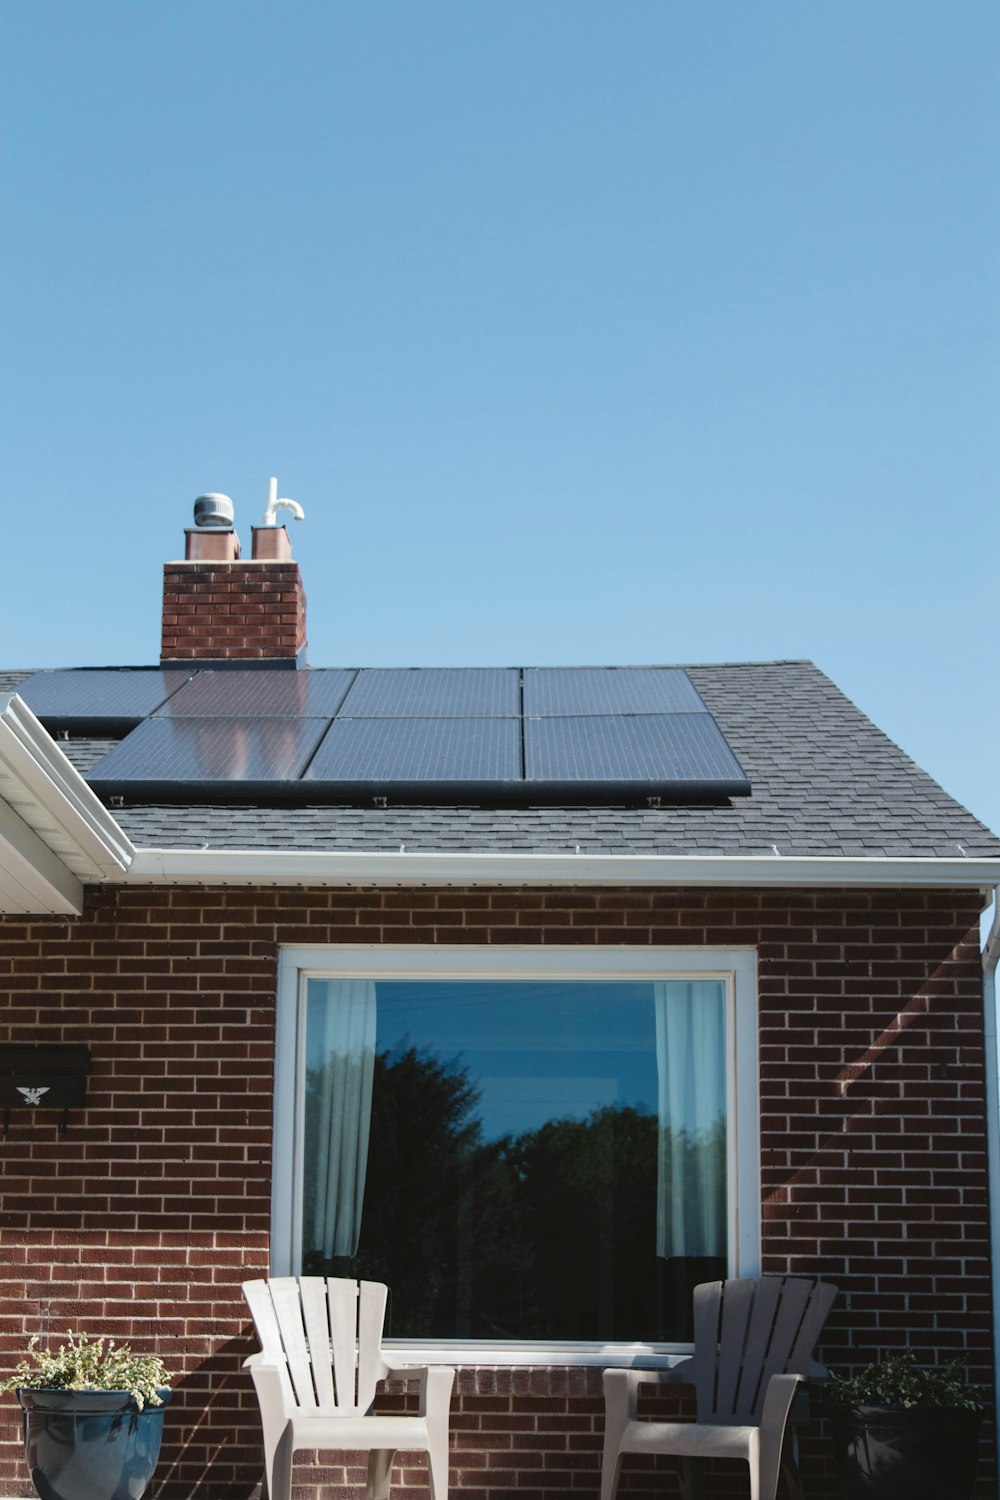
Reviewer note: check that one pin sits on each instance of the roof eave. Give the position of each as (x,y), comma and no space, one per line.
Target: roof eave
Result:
(56,837)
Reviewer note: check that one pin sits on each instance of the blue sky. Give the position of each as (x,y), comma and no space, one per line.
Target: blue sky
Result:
(645,332)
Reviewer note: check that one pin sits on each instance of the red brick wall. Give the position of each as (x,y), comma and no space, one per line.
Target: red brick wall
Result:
(144,1217)
(240,610)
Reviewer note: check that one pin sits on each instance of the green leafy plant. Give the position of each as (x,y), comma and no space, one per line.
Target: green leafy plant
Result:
(900,1381)
(85,1365)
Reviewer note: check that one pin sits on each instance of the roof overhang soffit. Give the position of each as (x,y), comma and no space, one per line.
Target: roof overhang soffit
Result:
(55,835)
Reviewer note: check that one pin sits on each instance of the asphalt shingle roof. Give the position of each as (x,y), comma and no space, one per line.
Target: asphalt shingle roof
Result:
(825,781)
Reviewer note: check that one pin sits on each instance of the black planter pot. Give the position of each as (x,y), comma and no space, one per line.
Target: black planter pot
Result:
(905,1453)
(90,1445)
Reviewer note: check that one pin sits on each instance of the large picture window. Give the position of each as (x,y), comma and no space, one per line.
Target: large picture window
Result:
(525,1152)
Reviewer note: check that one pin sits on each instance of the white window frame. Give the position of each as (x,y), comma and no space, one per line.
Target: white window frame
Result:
(736,968)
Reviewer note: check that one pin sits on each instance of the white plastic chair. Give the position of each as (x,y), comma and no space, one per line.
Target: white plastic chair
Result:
(753,1344)
(315,1376)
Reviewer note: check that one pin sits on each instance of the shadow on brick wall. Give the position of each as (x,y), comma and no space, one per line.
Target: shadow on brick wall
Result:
(211,1439)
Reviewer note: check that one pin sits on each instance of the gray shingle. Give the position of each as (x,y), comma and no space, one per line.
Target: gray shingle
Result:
(9,681)
(86,753)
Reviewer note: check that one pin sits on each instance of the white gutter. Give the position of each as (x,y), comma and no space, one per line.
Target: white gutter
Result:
(347,868)
(55,834)
(991,958)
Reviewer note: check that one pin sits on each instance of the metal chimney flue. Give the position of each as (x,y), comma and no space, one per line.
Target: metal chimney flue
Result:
(214,512)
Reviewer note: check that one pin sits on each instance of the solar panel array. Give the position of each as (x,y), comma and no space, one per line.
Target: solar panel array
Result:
(503,735)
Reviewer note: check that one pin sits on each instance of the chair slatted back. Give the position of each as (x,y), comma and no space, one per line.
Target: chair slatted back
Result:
(747,1330)
(327,1334)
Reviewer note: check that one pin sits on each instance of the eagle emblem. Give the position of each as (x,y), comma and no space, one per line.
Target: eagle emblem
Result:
(32,1096)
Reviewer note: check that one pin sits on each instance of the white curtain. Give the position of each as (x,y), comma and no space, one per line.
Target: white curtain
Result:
(342,1031)
(691,1158)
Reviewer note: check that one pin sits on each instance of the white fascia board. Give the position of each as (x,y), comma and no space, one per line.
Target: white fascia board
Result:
(328,868)
(45,789)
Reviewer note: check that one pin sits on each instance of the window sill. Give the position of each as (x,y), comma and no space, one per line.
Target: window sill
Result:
(470,1352)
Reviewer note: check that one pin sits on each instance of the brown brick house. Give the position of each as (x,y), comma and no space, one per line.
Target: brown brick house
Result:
(421,976)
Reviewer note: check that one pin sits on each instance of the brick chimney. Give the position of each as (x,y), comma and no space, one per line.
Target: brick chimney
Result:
(220,607)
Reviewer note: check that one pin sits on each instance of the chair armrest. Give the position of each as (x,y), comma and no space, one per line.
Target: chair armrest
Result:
(269,1377)
(401,1372)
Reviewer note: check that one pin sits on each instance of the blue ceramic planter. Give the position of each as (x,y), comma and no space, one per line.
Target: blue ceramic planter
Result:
(90,1445)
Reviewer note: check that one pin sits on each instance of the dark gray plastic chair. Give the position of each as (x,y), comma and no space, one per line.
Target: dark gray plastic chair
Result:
(753,1344)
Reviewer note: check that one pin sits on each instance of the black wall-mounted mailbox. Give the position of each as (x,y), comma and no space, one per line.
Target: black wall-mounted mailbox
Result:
(48,1077)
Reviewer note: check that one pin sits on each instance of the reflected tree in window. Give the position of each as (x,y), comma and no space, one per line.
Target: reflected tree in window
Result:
(546,1234)
(437,1217)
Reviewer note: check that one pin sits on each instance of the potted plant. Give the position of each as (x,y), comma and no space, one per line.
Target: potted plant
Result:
(902,1432)
(93,1418)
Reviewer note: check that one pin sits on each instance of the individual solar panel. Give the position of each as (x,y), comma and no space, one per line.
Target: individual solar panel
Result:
(662,753)
(434,692)
(99,697)
(258,694)
(609,690)
(408,753)
(210,753)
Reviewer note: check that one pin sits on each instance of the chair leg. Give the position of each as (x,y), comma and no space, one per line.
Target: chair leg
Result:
(379,1467)
(437,1465)
(610,1471)
(278,1469)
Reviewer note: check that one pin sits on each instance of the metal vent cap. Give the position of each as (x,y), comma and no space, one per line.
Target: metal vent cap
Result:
(214,512)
